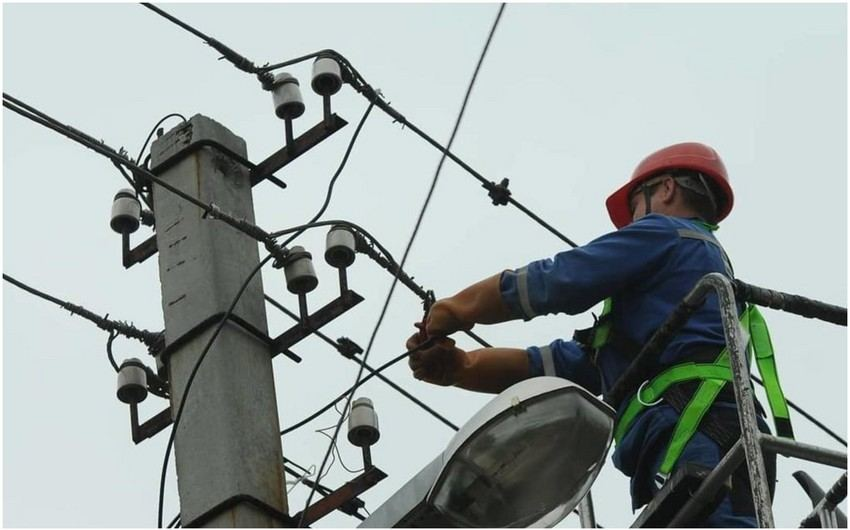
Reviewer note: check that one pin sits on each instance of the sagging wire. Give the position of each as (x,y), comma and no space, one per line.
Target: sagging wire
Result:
(349,507)
(345,415)
(230,309)
(407,249)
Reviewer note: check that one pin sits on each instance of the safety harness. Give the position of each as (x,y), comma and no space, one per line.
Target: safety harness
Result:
(712,377)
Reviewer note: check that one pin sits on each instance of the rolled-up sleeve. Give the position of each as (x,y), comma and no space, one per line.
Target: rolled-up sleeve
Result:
(564,359)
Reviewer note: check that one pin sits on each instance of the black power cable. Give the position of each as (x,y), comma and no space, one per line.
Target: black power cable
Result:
(350,389)
(499,193)
(135,184)
(117,158)
(339,347)
(229,311)
(150,135)
(109,354)
(152,340)
(406,251)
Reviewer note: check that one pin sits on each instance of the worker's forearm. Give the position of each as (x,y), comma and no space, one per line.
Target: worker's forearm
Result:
(481,303)
(492,370)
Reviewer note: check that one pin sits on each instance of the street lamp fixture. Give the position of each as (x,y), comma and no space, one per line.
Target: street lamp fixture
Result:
(525,459)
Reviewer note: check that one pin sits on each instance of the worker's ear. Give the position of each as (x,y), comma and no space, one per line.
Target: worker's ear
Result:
(667,190)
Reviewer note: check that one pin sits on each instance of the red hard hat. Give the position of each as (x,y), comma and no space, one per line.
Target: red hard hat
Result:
(689,155)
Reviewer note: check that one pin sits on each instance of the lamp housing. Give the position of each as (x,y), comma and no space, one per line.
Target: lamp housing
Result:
(525,459)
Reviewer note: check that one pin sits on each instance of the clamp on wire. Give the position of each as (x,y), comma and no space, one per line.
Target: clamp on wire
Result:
(641,401)
(499,193)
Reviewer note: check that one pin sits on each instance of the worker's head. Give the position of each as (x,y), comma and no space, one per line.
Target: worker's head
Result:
(686,180)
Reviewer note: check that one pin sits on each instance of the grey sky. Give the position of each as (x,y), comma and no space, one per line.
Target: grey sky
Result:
(569,99)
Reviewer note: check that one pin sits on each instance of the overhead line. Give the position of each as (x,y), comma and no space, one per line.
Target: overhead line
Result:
(358,82)
(407,251)
(371,370)
(210,210)
(360,383)
(153,340)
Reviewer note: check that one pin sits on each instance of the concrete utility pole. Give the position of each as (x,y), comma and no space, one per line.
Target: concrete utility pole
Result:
(227,446)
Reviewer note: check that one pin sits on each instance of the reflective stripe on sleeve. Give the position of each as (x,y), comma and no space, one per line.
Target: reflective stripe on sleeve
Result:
(548,361)
(522,289)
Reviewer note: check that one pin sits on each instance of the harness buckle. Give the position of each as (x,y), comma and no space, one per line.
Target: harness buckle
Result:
(641,401)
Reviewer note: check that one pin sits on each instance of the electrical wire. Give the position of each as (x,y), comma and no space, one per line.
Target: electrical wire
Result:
(408,247)
(361,382)
(338,454)
(237,60)
(383,378)
(152,340)
(20,108)
(243,64)
(210,210)
(109,355)
(498,194)
(150,135)
(133,183)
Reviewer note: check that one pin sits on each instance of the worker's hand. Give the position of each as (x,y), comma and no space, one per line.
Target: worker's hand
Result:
(443,319)
(438,364)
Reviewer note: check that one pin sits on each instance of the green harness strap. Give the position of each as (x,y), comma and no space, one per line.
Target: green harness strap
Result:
(602,332)
(713,376)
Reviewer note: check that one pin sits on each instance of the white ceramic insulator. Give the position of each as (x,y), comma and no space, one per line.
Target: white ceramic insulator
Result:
(363,428)
(132,382)
(288,103)
(300,274)
(327,77)
(126,212)
(340,248)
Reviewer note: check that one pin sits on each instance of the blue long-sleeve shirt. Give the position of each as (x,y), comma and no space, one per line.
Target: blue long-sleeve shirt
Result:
(647,268)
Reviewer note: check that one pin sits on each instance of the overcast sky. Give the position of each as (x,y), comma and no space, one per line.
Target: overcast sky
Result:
(569,99)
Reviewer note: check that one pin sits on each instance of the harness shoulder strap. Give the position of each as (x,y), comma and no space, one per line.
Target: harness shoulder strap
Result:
(694,234)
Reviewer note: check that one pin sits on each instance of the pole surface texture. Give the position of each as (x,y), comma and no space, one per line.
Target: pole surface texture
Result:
(227,446)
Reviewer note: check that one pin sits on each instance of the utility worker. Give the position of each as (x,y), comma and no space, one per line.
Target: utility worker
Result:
(665,215)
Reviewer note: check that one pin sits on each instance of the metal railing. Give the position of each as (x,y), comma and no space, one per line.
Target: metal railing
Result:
(749,448)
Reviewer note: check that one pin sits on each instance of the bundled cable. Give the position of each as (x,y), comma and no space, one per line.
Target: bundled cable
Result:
(210,210)
(153,340)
